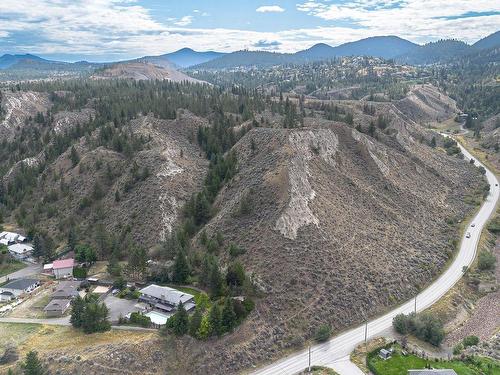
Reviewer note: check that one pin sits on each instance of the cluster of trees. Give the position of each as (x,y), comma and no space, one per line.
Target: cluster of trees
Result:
(209,319)
(451,146)
(89,314)
(43,247)
(424,326)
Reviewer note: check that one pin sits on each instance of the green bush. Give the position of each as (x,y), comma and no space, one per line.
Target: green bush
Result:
(425,326)
(457,349)
(140,319)
(470,341)
(494,225)
(235,250)
(486,260)
(401,324)
(79,272)
(323,333)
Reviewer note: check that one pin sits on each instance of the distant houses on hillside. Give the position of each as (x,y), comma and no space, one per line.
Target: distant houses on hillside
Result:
(16,244)
(16,288)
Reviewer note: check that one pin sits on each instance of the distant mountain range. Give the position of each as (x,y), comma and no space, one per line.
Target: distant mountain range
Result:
(388,47)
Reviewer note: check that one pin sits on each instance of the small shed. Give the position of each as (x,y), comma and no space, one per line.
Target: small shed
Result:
(385,354)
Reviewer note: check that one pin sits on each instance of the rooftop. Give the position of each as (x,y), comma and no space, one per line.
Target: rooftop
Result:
(57,305)
(63,263)
(164,293)
(20,284)
(20,248)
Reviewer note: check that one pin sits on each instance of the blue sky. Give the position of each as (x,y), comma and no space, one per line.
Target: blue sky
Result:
(103,30)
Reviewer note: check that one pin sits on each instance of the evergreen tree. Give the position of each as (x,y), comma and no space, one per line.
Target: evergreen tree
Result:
(181,269)
(77,312)
(71,238)
(214,319)
(228,319)
(195,323)
(205,329)
(32,364)
(235,276)
(181,321)
(137,262)
(216,282)
(38,246)
(75,158)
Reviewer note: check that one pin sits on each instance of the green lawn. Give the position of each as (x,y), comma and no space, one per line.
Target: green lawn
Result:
(10,267)
(399,365)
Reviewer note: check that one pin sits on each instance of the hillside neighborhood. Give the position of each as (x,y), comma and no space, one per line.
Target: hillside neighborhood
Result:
(56,284)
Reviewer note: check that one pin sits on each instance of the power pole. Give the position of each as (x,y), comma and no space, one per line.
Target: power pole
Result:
(415,305)
(309,358)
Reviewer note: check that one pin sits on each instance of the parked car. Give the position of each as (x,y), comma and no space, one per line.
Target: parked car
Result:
(473,225)
(467,235)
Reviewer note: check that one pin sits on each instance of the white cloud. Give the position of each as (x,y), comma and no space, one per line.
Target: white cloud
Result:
(123,29)
(419,20)
(184,21)
(270,9)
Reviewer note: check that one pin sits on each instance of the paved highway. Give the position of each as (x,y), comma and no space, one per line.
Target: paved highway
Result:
(335,352)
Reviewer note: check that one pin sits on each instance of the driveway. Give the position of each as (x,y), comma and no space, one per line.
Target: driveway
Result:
(119,306)
(28,271)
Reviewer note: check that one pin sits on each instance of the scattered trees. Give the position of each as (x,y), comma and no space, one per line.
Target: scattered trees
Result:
(424,326)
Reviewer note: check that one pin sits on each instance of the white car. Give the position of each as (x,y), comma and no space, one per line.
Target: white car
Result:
(467,235)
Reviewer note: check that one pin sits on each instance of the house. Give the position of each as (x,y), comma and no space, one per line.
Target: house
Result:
(57,307)
(66,290)
(20,286)
(4,241)
(11,237)
(6,296)
(20,249)
(165,299)
(385,354)
(63,268)
(432,372)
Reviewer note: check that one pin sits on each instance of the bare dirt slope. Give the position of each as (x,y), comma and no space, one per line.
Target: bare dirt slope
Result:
(425,103)
(149,207)
(342,227)
(18,107)
(142,70)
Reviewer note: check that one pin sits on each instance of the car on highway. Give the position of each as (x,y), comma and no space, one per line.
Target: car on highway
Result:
(473,225)
(467,235)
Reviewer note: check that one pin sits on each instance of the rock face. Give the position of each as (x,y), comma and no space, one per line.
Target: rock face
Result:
(303,145)
(18,106)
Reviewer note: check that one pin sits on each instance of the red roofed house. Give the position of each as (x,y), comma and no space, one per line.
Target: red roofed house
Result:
(63,268)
